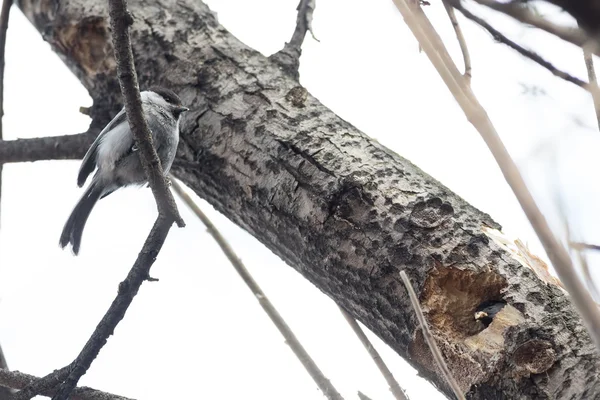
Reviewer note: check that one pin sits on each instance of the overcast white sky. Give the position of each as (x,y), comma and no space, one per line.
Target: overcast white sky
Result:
(199,333)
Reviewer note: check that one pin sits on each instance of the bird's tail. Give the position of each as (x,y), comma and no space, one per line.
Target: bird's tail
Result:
(73,229)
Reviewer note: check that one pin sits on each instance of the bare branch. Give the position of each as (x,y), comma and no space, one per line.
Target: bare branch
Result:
(589,65)
(585,246)
(120,21)
(19,380)
(522,14)
(305,10)
(435,351)
(290,338)
(461,40)
(363,396)
(436,51)
(66,147)
(289,57)
(127,291)
(395,388)
(533,56)
(5,393)
(4,16)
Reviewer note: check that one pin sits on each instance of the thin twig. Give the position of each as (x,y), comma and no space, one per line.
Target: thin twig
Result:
(19,380)
(4,17)
(435,351)
(322,382)
(581,258)
(521,13)
(305,9)
(433,46)
(363,396)
(461,40)
(395,388)
(289,57)
(589,65)
(583,264)
(585,246)
(120,21)
(533,56)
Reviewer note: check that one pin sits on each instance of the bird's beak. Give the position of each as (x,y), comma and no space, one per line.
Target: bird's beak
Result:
(181,109)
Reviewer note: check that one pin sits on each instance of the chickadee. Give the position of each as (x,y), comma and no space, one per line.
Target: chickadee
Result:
(116,156)
(487,310)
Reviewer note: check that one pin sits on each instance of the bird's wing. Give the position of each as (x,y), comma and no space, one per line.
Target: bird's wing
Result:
(89,160)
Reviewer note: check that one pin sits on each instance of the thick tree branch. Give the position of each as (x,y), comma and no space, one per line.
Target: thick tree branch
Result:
(289,57)
(19,380)
(288,170)
(66,147)
(290,338)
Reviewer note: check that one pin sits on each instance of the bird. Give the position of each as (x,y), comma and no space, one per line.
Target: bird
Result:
(487,310)
(115,157)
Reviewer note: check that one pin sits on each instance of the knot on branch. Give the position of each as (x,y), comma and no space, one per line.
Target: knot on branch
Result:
(288,60)
(431,213)
(534,356)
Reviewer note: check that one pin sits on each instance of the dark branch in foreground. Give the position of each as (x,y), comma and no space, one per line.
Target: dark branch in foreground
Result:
(19,380)
(4,16)
(533,56)
(290,338)
(289,57)
(120,21)
(66,147)
(127,291)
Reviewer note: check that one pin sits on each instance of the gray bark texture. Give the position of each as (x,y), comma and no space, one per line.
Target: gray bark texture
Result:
(337,206)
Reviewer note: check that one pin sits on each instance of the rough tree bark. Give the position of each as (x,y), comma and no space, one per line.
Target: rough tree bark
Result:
(344,211)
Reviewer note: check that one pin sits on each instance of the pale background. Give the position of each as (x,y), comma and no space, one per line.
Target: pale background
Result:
(199,333)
